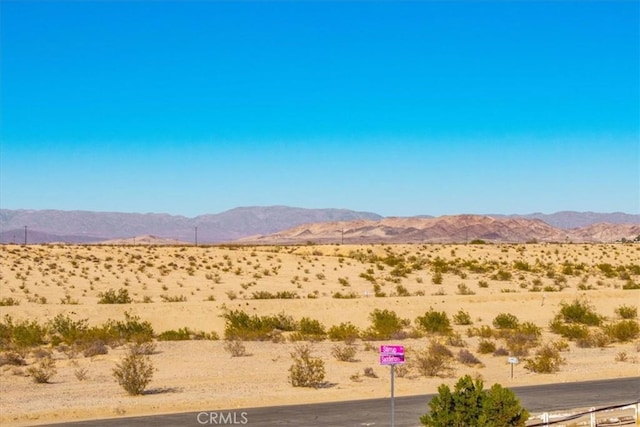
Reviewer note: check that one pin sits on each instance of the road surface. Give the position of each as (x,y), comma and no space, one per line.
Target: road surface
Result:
(376,412)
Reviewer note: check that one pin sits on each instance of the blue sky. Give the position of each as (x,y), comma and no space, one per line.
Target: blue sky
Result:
(396,108)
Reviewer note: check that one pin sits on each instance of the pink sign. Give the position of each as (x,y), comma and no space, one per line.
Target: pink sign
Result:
(391,349)
(391,359)
(391,354)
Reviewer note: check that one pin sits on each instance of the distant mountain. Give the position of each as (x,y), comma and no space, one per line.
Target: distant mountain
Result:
(570,219)
(446,229)
(46,226)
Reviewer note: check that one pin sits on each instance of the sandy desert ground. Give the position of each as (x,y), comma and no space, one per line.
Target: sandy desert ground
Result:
(190,287)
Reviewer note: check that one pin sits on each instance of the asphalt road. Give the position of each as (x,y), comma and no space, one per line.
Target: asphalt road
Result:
(376,412)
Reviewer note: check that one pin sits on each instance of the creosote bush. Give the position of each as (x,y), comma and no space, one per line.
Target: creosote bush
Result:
(627,311)
(345,331)
(547,359)
(113,297)
(134,372)
(306,371)
(436,322)
(344,353)
(235,348)
(44,370)
(462,318)
(624,330)
(386,324)
(433,361)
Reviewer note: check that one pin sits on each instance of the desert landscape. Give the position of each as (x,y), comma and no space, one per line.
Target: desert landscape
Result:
(480,302)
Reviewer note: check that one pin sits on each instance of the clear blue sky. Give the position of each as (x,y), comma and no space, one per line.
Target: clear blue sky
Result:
(395,108)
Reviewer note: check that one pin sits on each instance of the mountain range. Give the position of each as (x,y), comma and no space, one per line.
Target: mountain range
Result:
(283,224)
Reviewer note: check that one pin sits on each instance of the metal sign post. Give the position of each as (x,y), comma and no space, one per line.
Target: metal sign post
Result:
(392,355)
(512,361)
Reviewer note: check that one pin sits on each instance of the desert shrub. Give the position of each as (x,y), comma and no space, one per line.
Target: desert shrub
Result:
(182,334)
(81,374)
(11,358)
(113,297)
(241,326)
(386,324)
(8,301)
(312,329)
(345,295)
(64,329)
(370,373)
(462,318)
(501,351)
(579,312)
(436,322)
(630,285)
(235,348)
(486,346)
(502,275)
(483,332)
(505,321)
(627,311)
(21,335)
(455,339)
(306,371)
(433,361)
(134,372)
(345,331)
(44,370)
(145,348)
(547,359)
(624,330)
(176,298)
(344,353)
(131,329)
(470,405)
(596,338)
(95,348)
(466,357)
(436,279)
(570,331)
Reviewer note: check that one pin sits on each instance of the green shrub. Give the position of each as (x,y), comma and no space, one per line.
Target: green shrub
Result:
(624,330)
(312,328)
(241,326)
(134,372)
(486,346)
(462,318)
(470,405)
(182,334)
(8,301)
(66,330)
(627,311)
(21,335)
(506,321)
(386,324)
(547,359)
(579,312)
(306,371)
(347,332)
(435,322)
(113,297)
(570,331)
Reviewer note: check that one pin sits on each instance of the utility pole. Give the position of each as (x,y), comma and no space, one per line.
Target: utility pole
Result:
(25,235)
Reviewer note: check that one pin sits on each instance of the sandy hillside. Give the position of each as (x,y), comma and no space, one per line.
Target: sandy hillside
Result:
(175,287)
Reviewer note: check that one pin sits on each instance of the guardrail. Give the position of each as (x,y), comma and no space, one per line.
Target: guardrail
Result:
(549,419)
